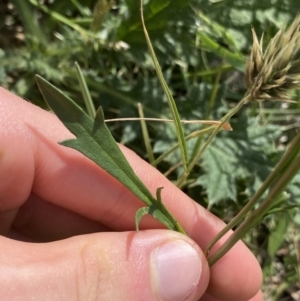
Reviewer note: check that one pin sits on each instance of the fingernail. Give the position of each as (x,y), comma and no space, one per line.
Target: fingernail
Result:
(176,268)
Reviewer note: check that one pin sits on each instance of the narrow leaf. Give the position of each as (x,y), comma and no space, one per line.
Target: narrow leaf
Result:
(172,104)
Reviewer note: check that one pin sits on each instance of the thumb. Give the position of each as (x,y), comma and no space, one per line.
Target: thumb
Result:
(148,265)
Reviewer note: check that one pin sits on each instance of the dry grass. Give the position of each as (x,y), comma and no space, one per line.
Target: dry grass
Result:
(270,74)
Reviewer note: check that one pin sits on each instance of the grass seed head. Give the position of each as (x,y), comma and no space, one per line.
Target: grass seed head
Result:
(270,74)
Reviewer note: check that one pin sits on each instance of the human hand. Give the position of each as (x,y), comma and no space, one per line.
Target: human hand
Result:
(69,234)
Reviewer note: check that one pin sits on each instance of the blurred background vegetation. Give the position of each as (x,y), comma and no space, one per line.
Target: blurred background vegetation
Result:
(202,47)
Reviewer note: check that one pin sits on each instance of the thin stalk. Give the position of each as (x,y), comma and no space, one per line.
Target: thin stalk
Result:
(211,104)
(286,159)
(226,126)
(170,170)
(85,92)
(233,111)
(145,134)
(255,217)
(213,96)
(187,138)
(172,104)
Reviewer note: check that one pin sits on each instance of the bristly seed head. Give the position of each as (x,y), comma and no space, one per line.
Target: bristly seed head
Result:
(271,73)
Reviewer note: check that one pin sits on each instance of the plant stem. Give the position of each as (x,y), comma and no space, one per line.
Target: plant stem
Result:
(278,170)
(145,134)
(233,111)
(187,138)
(172,104)
(226,126)
(286,169)
(207,114)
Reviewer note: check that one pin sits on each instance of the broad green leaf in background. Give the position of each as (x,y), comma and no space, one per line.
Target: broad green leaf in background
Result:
(237,156)
(94,140)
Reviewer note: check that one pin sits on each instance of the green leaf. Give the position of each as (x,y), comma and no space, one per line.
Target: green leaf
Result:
(235,59)
(238,155)
(277,236)
(94,140)
(139,214)
(152,210)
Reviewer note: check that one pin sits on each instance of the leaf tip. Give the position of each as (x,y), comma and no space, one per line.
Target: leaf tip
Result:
(227,126)
(99,115)
(158,193)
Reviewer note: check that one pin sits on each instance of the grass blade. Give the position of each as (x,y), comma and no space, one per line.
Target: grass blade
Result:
(85,92)
(172,104)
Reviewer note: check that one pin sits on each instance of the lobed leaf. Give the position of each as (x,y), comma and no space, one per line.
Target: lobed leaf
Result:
(238,156)
(94,140)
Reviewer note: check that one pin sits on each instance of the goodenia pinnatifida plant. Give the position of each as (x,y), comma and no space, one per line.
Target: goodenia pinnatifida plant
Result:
(269,75)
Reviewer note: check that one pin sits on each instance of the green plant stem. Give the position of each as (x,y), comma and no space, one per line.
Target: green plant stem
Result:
(172,104)
(85,92)
(286,159)
(172,168)
(187,138)
(255,217)
(207,114)
(163,209)
(146,134)
(213,96)
(233,111)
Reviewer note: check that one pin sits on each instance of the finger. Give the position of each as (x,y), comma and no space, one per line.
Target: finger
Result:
(65,178)
(54,173)
(207,297)
(43,222)
(149,265)
(237,275)
(257,297)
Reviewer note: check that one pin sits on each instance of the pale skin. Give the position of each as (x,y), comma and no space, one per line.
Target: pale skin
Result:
(68,228)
